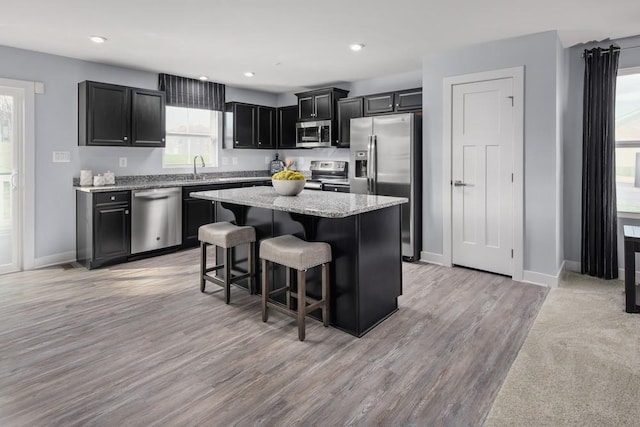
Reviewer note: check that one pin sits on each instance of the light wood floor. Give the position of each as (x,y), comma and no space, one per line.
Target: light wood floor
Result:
(138,344)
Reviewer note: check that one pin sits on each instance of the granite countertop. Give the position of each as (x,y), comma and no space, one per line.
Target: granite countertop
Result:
(160,181)
(309,202)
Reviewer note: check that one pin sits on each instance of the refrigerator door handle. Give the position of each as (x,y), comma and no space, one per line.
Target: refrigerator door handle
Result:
(369,164)
(374,164)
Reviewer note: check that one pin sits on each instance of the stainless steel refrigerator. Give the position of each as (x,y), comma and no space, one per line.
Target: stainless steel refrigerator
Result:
(386,160)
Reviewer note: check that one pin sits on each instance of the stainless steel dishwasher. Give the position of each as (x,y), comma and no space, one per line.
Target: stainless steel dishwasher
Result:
(156,219)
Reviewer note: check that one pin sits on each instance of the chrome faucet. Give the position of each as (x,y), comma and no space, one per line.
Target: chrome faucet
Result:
(195,173)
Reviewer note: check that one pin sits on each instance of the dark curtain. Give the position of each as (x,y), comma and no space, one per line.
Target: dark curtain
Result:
(599,220)
(192,93)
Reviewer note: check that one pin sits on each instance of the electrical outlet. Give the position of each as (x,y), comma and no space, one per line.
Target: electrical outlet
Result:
(225,161)
(123,162)
(61,157)
(234,160)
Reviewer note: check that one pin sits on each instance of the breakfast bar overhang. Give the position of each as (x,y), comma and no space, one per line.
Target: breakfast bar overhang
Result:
(365,237)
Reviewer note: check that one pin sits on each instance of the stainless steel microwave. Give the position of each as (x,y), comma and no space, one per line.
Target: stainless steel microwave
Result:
(313,134)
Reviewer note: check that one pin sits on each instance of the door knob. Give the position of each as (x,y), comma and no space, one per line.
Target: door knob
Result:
(459,184)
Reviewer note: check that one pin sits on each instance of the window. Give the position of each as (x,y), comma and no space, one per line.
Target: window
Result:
(628,140)
(191,132)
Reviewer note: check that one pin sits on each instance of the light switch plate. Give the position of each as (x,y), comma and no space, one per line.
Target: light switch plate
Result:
(225,161)
(234,160)
(61,157)
(123,162)
(38,88)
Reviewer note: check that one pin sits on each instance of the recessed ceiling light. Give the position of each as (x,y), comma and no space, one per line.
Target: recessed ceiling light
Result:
(249,74)
(356,47)
(98,39)
(203,78)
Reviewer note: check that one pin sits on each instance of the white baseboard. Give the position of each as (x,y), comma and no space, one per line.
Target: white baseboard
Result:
(54,259)
(574,266)
(431,258)
(541,279)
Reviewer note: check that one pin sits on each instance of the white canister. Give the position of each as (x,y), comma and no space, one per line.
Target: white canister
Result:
(86,177)
(98,180)
(109,178)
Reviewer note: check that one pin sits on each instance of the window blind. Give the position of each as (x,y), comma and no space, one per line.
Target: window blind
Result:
(191,93)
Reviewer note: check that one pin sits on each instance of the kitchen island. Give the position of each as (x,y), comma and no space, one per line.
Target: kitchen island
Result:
(365,237)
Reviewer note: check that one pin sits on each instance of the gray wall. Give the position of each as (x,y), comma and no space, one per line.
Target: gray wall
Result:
(573,147)
(56,130)
(538,53)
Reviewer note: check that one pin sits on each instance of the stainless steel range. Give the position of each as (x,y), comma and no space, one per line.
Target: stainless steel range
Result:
(329,175)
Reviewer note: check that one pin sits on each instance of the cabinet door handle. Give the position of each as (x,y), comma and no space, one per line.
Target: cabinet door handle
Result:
(125,138)
(113,197)
(390,105)
(162,139)
(126,212)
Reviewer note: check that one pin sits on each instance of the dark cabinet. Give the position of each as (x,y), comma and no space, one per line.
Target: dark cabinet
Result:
(319,104)
(391,102)
(198,212)
(378,104)
(113,115)
(103,227)
(348,108)
(408,100)
(287,119)
(249,126)
(147,118)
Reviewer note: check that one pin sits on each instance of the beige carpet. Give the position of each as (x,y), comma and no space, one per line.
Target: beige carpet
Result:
(580,363)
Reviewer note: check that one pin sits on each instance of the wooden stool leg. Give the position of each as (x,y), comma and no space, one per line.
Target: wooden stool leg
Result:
(250,284)
(203,264)
(325,294)
(265,291)
(302,304)
(288,285)
(227,275)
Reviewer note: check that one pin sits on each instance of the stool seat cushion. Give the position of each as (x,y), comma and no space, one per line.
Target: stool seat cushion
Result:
(225,234)
(293,252)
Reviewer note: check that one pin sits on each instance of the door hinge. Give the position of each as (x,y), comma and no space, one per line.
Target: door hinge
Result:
(511,97)
(511,253)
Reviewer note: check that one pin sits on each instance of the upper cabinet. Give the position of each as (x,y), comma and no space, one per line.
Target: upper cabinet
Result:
(392,102)
(113,115)
(147,118)
(319,104)
(348,108)
(249,126)
(287,119)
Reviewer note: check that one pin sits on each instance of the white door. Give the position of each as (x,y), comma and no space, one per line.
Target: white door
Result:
(11,144)
(482,175)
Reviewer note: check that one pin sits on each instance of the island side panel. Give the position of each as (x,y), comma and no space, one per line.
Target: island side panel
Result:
(379,266)
(340,233)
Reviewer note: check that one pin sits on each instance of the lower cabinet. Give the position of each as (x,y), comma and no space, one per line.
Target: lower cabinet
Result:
(197,212)
(103,227)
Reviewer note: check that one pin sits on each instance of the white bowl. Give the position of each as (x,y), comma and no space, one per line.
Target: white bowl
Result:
(288,187)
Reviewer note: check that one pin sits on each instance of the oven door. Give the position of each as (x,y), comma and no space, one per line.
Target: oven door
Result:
(313,184)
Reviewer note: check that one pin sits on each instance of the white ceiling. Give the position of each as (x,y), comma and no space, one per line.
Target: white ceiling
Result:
(295,44)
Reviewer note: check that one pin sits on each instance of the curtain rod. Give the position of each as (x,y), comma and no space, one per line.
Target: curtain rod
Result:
(608,49)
